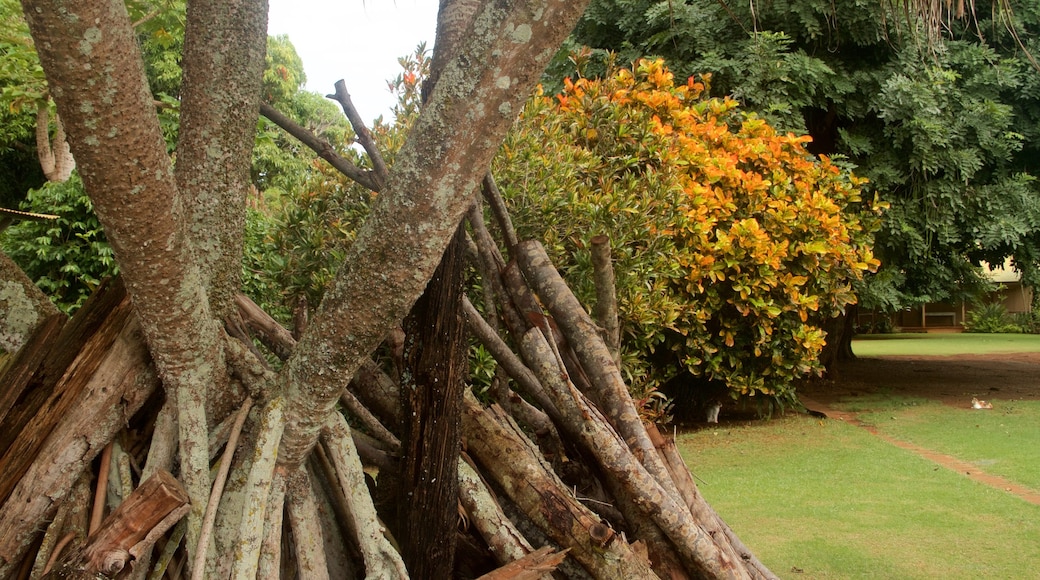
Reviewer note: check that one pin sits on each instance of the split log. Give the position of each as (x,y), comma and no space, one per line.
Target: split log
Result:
(538,564)
(148,513)
(109,380)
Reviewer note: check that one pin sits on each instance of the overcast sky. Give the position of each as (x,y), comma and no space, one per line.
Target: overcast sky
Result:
(358,41)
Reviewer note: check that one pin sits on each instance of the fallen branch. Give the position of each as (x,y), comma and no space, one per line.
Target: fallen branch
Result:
(381,559)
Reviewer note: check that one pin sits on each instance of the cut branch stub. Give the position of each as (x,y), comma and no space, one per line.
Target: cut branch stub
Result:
(127,529)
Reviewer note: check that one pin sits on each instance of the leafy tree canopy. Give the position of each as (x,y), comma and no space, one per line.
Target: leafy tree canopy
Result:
(946,131)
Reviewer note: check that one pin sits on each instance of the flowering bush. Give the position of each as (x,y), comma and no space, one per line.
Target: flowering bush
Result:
(731,243)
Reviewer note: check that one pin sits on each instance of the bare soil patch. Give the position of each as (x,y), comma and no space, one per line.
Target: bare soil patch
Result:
(953,379)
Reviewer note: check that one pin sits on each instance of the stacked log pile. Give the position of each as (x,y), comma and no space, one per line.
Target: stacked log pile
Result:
(558,471)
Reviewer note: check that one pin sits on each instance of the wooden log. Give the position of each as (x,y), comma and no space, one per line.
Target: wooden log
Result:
(606,310)
(700,554)
(699,507)
(381,559)
(506,542)
(108,392)
(136,524)
(18,370)
(273,335)
(306,527)
(515,464)
(47,395)
(538,564)
(607,386)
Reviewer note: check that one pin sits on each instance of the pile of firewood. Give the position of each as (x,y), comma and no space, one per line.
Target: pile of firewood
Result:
(557,473)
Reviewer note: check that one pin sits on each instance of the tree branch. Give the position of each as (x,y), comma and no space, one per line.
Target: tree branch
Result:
(444,159)
(321,147)
(364,136)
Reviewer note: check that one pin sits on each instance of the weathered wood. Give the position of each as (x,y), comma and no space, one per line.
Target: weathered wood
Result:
(702,512)
(607,387)
(306,527)
(538,564)
(515,464)
(17,371)
(128,529)
(273,335)
(506,542)
(381,559)
(700,554)
(108,394)
(52,386)
(606,309)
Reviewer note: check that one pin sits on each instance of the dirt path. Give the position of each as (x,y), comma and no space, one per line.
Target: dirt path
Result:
(954,380)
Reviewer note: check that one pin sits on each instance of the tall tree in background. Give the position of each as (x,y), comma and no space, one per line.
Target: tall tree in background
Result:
(942,120)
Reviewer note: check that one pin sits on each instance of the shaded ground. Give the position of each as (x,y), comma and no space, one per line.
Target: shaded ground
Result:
(953,380)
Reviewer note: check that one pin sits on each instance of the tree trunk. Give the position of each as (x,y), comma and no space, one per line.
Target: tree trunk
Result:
(114,134)
(436,366)
(224,48)
(431,394)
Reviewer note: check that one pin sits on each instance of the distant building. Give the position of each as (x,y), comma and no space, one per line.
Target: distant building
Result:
(950,316)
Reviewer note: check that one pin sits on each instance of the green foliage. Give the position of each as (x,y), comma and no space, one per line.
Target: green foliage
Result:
(993,318)
(296,243)
(948,132)
(66,257)
(731,242)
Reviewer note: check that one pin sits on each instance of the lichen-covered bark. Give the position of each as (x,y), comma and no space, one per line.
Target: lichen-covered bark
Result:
(224,48)
(22,306)
(475,101)
(96,76)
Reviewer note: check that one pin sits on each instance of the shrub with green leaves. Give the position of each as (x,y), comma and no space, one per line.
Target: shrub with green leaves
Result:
(67,257)
(731,243)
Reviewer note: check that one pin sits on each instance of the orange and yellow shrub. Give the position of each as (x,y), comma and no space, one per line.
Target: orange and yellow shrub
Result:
(732,243)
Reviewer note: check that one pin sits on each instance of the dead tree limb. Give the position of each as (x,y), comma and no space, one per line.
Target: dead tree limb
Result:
(321,147)
(364,136)
(699,552)
(381,559)
(517,467)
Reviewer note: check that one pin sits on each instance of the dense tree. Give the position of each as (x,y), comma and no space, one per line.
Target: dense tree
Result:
(943,125)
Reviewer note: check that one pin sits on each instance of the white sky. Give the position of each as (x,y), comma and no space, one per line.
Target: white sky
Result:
(358,41)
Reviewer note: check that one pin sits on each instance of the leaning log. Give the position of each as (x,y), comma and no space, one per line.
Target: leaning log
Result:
(107,381)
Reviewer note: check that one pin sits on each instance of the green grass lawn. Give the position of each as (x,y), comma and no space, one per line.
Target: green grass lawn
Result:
(1003,441)
(945,344)
(823,499)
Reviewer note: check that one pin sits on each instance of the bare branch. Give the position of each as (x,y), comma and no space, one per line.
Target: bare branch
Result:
(364,136)
(321,147)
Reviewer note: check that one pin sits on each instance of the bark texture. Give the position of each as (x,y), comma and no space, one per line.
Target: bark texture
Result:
(94,68)
(477,98)
(224,48)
